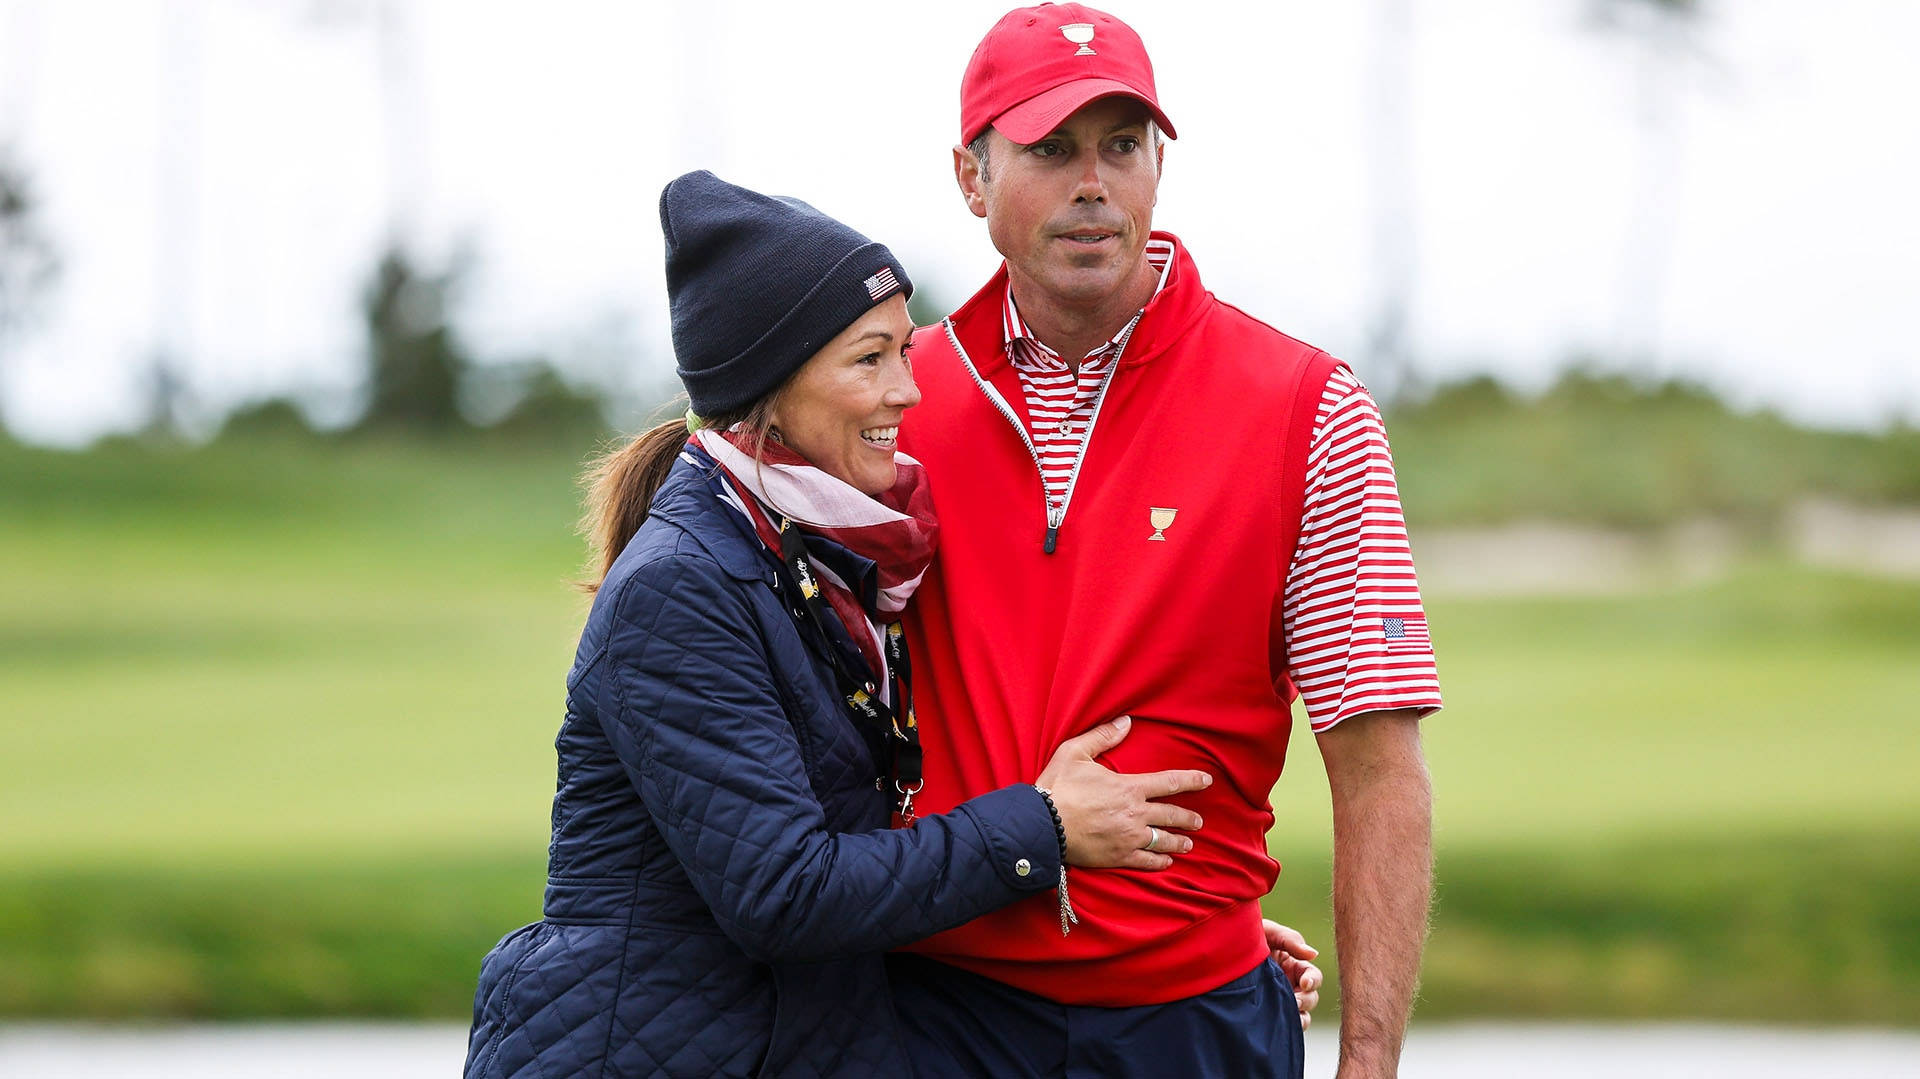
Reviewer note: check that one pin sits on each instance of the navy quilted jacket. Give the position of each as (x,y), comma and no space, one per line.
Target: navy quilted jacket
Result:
(722,880)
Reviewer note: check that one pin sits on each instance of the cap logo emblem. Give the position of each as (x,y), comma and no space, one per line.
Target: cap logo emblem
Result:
(881,284)
(1081,34)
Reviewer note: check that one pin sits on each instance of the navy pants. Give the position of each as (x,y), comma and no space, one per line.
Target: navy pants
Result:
(959,1025)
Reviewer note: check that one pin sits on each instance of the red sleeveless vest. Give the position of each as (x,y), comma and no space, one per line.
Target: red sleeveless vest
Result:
(1161,600)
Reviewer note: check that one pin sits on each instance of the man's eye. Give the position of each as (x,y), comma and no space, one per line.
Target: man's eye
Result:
(1126,145)
(1045,149)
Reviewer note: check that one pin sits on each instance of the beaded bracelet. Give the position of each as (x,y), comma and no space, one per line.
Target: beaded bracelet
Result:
(1068,919)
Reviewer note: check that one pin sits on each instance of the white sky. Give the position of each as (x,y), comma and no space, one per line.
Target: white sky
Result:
(218,176)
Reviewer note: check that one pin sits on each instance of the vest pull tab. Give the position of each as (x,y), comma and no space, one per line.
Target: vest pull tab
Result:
(1053,534)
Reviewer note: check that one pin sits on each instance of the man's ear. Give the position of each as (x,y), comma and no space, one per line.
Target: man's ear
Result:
(966,173)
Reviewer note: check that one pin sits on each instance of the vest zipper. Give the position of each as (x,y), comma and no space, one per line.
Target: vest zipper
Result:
(1056,517)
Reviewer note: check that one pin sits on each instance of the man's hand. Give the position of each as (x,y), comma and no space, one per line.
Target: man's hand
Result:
(1382,881)
(1293,953)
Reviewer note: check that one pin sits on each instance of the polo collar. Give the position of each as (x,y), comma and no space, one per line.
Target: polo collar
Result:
(1159,253)
(981,322)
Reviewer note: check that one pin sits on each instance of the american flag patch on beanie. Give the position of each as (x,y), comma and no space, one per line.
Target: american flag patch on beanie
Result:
(882,284)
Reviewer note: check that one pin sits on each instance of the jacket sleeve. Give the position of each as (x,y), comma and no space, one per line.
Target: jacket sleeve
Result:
(691,708)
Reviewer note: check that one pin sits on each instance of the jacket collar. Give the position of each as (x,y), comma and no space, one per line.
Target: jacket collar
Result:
(1171,312)
(686,502)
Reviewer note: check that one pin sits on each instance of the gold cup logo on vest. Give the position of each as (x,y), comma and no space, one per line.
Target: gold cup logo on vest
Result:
(1161,518)
(1081,34)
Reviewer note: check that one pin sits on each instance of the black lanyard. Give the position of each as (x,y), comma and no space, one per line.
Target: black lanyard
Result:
(898,730)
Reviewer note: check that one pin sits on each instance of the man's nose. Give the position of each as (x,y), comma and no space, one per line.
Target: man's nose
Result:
(1091,186)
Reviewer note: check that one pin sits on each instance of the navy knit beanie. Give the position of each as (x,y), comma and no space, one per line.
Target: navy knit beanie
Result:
(757,284)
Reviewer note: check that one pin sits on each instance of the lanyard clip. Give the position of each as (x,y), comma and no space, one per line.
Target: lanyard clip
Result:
(906,813)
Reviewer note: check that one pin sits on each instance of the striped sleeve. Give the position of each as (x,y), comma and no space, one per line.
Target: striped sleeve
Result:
(1355,631)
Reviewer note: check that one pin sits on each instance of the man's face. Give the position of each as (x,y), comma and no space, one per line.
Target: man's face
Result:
(1071,213)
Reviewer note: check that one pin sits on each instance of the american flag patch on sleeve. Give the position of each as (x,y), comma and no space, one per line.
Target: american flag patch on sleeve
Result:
(881,284)
(1406,633)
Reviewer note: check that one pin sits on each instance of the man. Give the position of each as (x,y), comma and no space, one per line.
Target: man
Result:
(1152,504)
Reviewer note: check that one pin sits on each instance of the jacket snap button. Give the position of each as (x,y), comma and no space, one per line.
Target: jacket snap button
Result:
(1022,867)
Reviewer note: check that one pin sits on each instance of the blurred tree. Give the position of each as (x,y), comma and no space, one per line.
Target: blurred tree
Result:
(167,401)
(28,264)
(1666,41)
(1388,354)
(926,307)
(416,362)
(529,397)
(1475,397)
(274,418)
(550,409)
(171,405)
(1609,12)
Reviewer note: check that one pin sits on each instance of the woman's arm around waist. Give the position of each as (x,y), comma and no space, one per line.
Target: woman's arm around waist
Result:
(690,705)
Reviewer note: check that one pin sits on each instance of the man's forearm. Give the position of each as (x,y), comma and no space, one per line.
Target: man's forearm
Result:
(1382,882)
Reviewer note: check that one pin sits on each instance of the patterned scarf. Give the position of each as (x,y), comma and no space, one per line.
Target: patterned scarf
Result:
(869,553)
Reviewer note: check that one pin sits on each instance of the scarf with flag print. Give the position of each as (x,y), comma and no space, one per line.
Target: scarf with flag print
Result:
(869,552)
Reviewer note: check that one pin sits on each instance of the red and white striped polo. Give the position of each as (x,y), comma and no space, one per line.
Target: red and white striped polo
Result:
(1356,631)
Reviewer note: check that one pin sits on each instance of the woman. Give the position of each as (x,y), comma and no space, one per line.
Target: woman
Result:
(739,731)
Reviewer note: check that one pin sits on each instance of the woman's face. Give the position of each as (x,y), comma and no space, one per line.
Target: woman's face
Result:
(842,410)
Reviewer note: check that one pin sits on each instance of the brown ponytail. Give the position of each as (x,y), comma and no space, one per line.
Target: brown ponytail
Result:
(621,483)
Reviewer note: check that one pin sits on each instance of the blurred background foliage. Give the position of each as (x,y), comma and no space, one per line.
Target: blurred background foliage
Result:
(280,708)
(279,699)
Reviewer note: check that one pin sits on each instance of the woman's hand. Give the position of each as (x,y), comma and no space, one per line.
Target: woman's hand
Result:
(1112,820)
(1293,953)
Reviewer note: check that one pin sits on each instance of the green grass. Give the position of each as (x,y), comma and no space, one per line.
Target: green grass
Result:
(276,723)
(1797,929)
(1771,702)
(228,652)
(1697,803)
(1615,450)
(290,936)
(1802,929)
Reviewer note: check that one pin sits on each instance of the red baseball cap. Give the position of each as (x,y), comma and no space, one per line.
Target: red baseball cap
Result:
(1038,65)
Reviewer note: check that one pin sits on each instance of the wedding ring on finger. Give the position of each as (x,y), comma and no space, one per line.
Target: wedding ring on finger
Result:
(1153,838)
